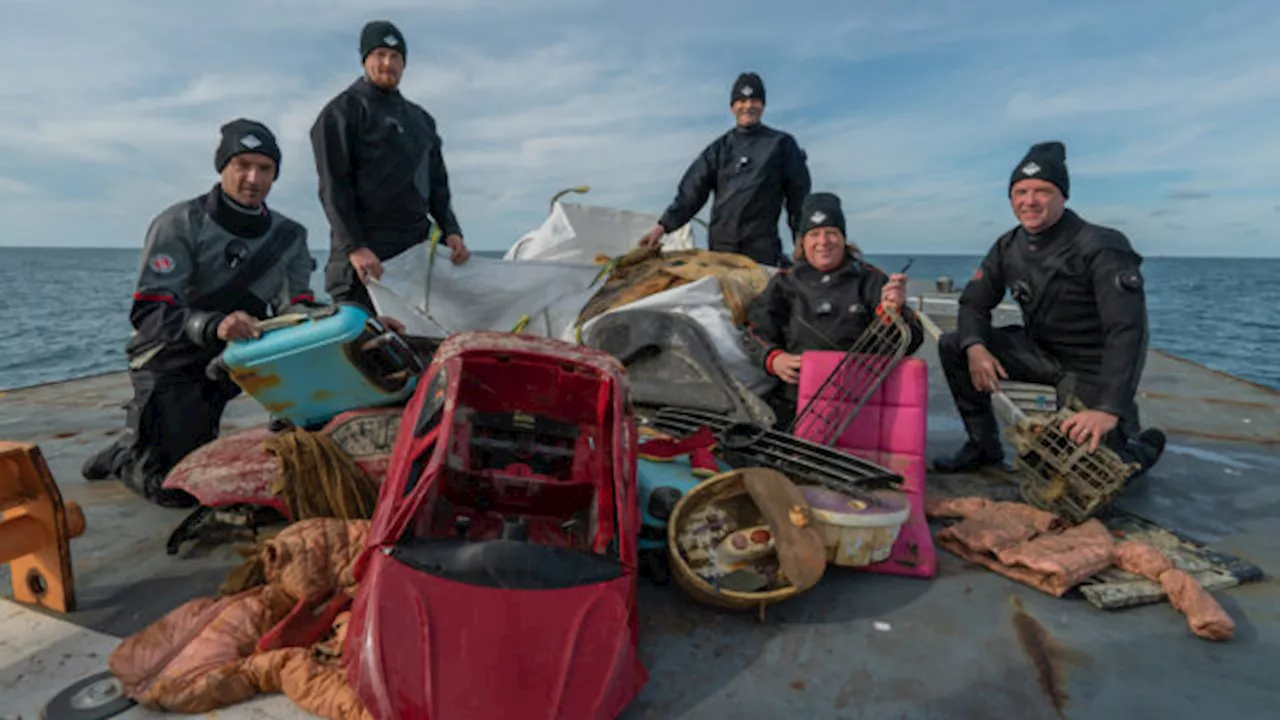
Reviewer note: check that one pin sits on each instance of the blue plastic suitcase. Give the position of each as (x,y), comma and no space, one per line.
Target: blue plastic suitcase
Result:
(338,360)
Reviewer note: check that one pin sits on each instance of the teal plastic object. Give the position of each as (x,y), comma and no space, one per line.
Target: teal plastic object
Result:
(309,372)
(677,477)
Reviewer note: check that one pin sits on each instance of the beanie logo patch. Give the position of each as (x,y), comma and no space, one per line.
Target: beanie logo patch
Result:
(162,264)
(817,217)
(391,40)
(1030,169)
(747,91)
(251,141)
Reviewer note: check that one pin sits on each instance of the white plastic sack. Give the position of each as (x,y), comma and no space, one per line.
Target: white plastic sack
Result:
(703,302)
(578,233)
(480,294)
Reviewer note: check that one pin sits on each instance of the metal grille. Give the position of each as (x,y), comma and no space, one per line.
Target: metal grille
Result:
(859,374)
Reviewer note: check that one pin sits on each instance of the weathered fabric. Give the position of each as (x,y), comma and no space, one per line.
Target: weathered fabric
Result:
(1205,616)
(643,273)
(205,654)
(1023,543)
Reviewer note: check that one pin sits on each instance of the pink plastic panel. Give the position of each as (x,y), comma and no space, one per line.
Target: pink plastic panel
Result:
(890,430)
(893,419)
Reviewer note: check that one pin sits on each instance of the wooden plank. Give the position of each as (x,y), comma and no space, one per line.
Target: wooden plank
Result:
(1118,594)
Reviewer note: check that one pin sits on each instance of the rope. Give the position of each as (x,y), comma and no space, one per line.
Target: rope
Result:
(318,479)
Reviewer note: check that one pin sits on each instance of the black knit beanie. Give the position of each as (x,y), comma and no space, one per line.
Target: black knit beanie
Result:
(382,34)
(1044,161)
(246,136)
(821,209)
(748,85)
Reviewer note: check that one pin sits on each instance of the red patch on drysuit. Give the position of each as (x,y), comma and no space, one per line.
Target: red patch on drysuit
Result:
(162,264)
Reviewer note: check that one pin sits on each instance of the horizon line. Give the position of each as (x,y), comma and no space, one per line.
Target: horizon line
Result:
(865,252)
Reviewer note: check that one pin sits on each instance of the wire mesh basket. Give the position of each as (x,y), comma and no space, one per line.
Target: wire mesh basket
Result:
(855,379)
(1059,476)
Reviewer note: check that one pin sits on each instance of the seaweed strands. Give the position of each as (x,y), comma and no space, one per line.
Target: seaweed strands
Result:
(856,378)
(746,444)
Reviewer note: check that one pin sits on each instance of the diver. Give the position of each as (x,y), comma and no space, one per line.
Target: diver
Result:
(825,302)
(753,170)
(211,267)
(381,170)
(1084,309)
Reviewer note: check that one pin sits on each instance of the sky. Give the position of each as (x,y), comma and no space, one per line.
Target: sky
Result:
(915,113)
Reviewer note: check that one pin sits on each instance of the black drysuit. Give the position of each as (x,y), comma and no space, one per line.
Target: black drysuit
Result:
(752,172)
(382,180)
(197,258)
(1082,300)
(802,309)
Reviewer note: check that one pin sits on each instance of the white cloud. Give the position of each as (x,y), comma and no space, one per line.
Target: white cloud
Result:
(9,186)
(914,115)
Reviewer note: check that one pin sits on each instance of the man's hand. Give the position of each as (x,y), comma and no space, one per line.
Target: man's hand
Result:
(366,264)
(984,369)
(787,367)
(459,248)
(652,238)
(894,292)
(1089,426)
(238,326)
(392,324)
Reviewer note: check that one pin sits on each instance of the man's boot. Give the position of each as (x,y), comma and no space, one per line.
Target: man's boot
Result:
(1145,449)
(982,449)
(102,464)
(145,478)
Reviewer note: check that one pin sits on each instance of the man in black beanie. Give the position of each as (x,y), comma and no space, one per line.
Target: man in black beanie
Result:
(212,266)
(382,172)
(752,170)
(1085,315)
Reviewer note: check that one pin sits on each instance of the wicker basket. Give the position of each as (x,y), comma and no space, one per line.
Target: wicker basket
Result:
(727,492)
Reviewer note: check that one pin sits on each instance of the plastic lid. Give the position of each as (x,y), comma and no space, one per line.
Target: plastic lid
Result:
(833,508)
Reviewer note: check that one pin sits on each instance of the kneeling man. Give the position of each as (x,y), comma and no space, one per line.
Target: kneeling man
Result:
(1085,315)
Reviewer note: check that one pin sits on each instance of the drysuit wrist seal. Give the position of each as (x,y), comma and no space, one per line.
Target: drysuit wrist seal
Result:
(202,327)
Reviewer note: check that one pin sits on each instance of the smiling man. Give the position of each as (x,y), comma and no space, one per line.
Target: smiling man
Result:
(1085,316)
(381,169)
(211,267)
(753,170)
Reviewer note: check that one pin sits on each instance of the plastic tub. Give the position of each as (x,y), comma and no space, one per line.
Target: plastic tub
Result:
(856,532)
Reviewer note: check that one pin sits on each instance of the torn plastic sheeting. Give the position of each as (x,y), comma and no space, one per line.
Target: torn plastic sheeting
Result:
(441,298)
(703,302)
(488,294)
(575,233)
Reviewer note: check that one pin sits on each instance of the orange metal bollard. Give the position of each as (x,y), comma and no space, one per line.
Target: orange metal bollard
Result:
(36,529)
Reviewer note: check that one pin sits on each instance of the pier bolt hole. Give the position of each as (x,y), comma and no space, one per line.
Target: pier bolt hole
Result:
(36,583)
